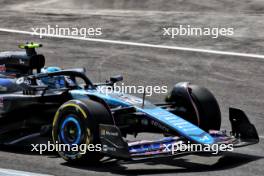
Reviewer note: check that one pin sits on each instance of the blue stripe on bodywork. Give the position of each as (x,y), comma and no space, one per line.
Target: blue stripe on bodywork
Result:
(182,126)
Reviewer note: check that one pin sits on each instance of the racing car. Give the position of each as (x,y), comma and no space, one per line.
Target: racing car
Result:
(66,107)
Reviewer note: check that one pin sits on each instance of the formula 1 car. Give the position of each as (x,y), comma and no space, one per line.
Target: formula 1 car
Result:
(76,111)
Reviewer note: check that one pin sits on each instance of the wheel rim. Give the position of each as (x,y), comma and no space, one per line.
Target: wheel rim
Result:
(70,131)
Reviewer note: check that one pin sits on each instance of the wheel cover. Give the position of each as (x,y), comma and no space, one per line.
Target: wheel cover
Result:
(70,131)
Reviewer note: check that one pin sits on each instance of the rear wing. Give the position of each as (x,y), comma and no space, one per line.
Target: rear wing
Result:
(19,63)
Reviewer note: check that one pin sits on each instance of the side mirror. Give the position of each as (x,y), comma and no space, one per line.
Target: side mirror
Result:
(116,78)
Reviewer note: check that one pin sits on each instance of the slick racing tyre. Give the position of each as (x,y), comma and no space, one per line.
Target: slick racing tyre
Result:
(76,127)
(201,108)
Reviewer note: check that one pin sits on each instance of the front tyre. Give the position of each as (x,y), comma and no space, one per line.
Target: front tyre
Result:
(201,107)
(208,108)
(76,130)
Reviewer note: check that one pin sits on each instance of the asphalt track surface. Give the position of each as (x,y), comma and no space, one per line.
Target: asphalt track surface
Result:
(235,81)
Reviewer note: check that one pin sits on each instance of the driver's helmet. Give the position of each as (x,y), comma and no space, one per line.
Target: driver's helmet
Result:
(54,82)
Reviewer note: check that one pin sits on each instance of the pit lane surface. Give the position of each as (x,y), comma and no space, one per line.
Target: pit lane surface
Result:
(235,81)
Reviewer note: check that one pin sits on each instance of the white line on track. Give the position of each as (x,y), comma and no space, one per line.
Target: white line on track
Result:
(229,53)
(11,172)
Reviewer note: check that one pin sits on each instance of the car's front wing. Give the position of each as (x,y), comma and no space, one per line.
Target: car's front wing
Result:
(243,133)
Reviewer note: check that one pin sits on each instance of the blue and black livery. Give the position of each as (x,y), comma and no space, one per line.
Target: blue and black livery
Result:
(76,114)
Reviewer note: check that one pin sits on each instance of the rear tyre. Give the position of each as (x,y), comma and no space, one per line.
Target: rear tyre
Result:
(76,124)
